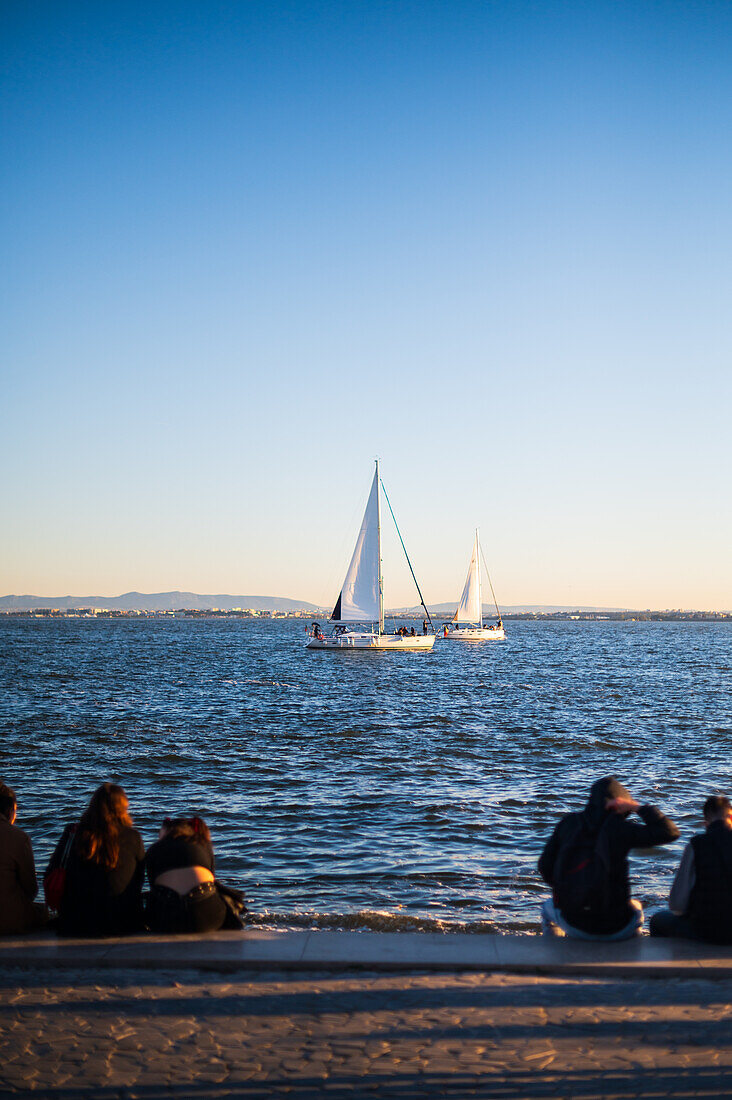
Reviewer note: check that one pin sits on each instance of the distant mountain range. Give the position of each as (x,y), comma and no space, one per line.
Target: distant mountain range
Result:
(195,601)
(155,601)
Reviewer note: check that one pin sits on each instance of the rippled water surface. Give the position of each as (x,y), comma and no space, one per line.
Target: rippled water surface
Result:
(361,789)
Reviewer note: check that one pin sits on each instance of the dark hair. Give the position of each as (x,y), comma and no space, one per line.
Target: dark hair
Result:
(8,801)
(97,837)
(187,828)
(716,806)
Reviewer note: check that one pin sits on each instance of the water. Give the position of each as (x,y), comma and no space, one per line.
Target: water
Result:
(367,790)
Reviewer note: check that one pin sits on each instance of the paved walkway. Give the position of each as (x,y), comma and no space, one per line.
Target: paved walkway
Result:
(384,951)
(187,1034)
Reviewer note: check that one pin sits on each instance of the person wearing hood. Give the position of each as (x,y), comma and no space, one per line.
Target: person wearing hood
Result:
(585,861)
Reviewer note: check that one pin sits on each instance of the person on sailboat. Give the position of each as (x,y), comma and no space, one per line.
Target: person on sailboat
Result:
(424,626)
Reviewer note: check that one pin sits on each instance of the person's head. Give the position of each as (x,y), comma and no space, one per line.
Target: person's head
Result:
(8,803)
(604,791)
(106,815)
(186,828)
(717,808)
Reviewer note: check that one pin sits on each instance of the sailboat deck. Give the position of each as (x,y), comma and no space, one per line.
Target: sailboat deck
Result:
(371,641)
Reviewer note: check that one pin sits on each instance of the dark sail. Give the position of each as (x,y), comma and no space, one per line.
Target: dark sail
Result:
(336,612)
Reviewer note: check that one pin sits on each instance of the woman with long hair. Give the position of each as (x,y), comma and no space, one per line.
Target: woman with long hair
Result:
(184,895)
(105,870)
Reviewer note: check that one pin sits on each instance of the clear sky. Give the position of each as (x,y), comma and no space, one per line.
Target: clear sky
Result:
(249,246)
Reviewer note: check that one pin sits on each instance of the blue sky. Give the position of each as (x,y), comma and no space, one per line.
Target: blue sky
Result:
(250,246)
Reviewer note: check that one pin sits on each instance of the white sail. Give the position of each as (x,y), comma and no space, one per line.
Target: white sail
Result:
(359,601)
(469,609)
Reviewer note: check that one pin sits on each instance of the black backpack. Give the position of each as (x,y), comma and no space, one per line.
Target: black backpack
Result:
(580,879)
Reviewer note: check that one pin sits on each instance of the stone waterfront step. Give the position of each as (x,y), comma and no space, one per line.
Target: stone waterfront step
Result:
(329,950)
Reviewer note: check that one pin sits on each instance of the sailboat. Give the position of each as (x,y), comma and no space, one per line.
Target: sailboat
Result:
(361,599)
(470,608)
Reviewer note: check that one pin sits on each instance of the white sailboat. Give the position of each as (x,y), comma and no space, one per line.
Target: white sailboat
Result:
(470,608)
(361,600)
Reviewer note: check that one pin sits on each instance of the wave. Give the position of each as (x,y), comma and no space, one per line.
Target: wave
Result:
(370,920)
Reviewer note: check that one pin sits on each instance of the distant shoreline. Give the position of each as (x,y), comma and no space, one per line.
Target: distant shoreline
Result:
(189,614)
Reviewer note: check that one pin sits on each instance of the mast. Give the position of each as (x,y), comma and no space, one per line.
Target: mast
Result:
(378,541)
(480,588)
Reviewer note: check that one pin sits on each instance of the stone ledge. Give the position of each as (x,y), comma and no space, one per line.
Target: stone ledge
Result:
(381,951)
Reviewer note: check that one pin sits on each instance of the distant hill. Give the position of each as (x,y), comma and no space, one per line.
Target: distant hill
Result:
(155,601)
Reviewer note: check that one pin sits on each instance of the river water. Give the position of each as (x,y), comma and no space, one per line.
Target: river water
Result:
(393,791)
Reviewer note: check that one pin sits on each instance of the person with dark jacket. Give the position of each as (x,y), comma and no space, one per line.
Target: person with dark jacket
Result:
(700,904)
(585,861)
(18,883)
(184,895)
(105,870)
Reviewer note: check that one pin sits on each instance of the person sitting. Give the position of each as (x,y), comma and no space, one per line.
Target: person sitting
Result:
(700,903)
(184,895)
(18,883)
(585,861)
(105,870)
(412,633)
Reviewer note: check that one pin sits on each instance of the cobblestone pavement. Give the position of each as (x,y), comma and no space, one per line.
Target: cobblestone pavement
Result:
(130,1034)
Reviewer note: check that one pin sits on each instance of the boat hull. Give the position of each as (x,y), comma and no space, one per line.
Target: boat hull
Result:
(475,634)
(396,643)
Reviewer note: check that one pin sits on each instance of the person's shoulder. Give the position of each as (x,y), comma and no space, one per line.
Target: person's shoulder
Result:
(566,825)
(13,834)
(161,844)
(18,835)
(132,838)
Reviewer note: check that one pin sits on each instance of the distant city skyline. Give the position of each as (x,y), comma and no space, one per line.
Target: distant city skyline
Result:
(251,247)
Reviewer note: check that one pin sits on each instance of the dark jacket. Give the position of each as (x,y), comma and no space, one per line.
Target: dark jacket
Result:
(174,852)
(104,902)
(710,904)
(18,885)
(614,837)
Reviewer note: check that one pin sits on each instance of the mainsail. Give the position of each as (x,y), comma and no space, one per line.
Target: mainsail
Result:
(359,601)
(470,609)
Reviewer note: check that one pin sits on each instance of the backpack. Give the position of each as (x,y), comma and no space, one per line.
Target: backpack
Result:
(580,878)
(54,880)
